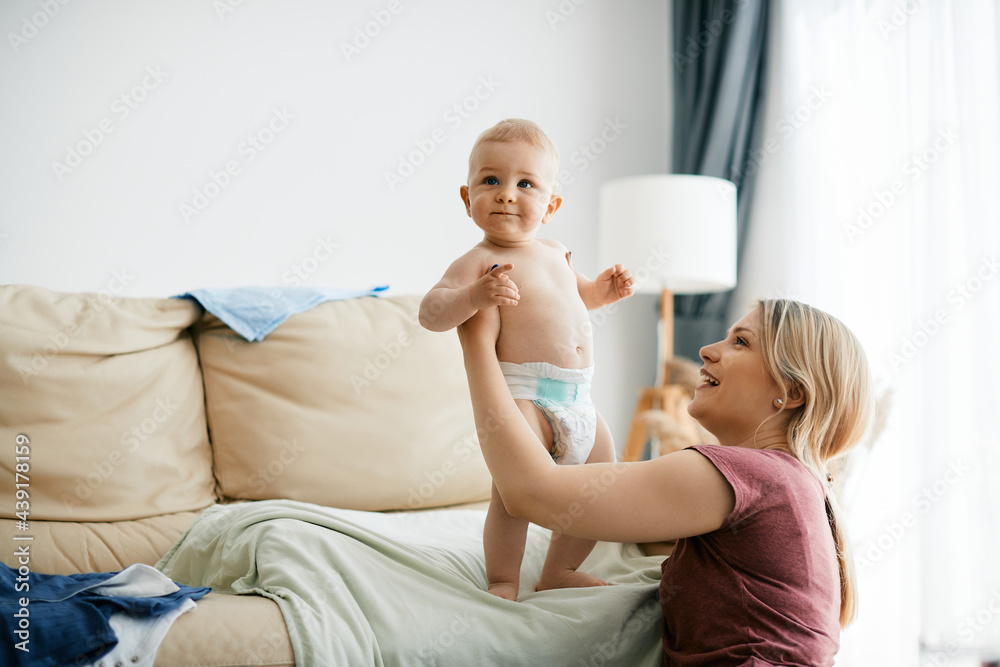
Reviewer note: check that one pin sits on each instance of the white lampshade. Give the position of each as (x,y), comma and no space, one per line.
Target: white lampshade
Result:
(676,232)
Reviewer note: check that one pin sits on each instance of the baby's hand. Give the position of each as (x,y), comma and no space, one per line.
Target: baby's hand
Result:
(495,289)
(615,284)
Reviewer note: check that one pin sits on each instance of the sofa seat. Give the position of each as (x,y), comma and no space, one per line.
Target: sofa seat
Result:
(228,630)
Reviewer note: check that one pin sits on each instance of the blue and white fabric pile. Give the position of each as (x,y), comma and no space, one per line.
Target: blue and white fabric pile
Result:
(104,618)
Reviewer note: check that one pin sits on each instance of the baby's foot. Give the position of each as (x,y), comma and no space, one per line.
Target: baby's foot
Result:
(504,589)
(568,579)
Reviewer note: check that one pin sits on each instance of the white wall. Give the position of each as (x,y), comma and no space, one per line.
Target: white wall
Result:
(157,99)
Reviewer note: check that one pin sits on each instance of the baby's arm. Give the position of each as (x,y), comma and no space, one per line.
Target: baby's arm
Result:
(467,286)
(612,285)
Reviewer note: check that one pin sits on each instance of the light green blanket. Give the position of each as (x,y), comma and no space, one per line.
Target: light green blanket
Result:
(366,588)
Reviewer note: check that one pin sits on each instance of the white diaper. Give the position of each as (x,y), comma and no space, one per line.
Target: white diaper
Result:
(563,396)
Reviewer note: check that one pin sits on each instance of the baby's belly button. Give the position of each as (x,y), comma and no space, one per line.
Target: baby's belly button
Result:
(579,350)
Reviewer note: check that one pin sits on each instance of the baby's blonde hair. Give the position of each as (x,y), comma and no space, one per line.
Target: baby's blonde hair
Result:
(806,347)
(518,130)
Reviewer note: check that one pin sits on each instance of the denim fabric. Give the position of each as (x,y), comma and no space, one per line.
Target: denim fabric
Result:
(69,618)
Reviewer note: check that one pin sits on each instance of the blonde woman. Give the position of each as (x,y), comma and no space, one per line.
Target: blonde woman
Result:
(760,574)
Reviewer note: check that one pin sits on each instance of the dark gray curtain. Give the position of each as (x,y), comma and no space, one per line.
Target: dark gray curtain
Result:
(718,57)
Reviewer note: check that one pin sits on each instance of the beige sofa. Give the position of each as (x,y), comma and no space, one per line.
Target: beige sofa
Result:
(140,413)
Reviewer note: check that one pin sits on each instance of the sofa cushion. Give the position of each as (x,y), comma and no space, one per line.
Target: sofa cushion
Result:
(107,394)
(71,547)
(351,404)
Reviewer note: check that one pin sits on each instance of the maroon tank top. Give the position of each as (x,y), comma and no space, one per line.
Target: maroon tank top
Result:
(764,589)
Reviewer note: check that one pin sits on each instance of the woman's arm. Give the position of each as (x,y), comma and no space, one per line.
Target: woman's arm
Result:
(674,496)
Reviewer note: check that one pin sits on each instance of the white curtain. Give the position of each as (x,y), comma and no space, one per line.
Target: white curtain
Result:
(877,201)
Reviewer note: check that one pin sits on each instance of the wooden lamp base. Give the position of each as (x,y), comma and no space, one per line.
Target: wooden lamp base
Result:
(665,397)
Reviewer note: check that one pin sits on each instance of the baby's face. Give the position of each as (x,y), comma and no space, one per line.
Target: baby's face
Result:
(510,191)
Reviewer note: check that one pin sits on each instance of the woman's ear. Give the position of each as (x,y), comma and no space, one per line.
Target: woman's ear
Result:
(796,396)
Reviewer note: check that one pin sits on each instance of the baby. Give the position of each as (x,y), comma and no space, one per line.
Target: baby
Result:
(545,345)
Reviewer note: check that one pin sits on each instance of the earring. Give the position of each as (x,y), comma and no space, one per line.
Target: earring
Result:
(780,402)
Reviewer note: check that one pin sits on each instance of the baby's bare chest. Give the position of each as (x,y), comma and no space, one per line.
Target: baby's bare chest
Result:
(544,278)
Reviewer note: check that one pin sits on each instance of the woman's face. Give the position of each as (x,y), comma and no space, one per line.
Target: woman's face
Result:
(737,392)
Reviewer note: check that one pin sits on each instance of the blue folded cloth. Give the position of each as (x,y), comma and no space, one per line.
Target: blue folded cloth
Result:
(254,312)
(67,618)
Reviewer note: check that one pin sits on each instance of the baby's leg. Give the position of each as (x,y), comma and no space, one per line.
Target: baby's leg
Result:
(567,553)
(503,542)
(503,534)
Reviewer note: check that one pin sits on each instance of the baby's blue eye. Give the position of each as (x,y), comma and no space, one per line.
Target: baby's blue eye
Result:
(524,184)
(491,180)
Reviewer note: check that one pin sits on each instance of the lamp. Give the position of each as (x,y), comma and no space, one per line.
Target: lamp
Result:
(677,235)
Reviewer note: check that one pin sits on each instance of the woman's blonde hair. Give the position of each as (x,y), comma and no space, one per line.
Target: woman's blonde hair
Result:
(806,347)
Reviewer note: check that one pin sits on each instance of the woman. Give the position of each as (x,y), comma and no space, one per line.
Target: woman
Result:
(760,573)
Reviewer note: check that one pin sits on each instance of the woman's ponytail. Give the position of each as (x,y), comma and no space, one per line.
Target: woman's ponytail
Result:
(806,347)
